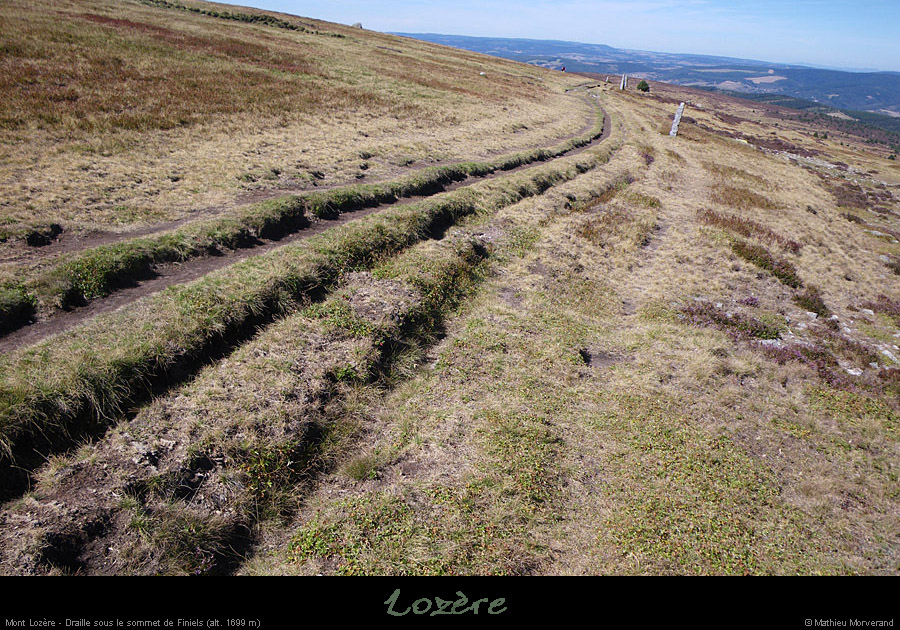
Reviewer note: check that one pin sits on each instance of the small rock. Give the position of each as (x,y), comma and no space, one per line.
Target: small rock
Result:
(854,371)
(867,311)
(812,315)
(890,355)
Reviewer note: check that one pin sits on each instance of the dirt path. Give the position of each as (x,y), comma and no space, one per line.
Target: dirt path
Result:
(173,274)
(70,243)
(83,520)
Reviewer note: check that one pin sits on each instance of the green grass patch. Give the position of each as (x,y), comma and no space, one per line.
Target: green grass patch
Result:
(855,409)
(688,502)
(450,530)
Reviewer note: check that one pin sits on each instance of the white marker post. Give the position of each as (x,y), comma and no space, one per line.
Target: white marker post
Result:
(624,83)
(677,120)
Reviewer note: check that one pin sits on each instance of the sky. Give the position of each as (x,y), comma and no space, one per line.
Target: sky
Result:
(862,34)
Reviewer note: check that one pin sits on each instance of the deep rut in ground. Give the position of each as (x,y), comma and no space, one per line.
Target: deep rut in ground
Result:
(78,519)
(178,273)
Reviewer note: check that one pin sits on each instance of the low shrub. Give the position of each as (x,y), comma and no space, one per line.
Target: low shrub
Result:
(760,256)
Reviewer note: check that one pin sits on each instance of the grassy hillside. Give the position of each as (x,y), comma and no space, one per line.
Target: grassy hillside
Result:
(118,114)
(591,348)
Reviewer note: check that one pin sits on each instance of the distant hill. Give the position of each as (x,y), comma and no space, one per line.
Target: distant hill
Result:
(877,92)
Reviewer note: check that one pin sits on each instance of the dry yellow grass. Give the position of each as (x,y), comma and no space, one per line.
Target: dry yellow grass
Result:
(597,403)
(657,446)
(120,115)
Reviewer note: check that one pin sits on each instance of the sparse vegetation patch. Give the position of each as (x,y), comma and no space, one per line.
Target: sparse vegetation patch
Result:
(741,198)
(738,325)
(748,228)
(811,300)
(760,256)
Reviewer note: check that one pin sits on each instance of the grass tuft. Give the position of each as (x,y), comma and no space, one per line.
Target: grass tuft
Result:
(742,198)
(17,308)
(811,300)
(737,325)
(760,256)
(748,228)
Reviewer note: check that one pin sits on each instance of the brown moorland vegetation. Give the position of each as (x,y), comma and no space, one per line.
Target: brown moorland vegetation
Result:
(658,355)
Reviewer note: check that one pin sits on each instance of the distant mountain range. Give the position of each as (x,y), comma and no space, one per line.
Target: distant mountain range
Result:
(877,92)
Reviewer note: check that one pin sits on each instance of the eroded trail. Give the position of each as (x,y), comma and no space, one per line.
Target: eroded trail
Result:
(228,450)
(576,420)
(152,278)
(81,510)
(566,371)
(66,243)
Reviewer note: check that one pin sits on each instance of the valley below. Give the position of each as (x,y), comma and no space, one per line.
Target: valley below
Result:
(285,297)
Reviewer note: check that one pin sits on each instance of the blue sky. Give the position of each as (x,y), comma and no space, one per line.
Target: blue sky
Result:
(833,33)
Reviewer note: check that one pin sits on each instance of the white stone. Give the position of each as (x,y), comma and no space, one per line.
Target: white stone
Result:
(812,315)
(890,355)
(867,311)
(678,114)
